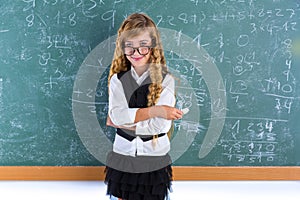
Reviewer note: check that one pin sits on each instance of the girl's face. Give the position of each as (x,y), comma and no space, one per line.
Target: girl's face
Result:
(138,50)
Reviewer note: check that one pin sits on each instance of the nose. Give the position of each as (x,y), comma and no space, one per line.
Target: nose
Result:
(135,52)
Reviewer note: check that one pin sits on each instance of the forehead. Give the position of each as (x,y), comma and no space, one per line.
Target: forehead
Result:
(142,36)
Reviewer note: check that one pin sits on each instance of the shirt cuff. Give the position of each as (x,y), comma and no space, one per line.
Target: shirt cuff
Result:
(131,115)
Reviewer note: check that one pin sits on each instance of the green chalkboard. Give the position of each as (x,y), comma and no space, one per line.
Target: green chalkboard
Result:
(236,64)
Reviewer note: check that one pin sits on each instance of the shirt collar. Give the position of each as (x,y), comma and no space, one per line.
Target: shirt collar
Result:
(137,78)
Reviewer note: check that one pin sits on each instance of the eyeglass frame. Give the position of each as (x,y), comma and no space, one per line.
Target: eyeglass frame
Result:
(137,48)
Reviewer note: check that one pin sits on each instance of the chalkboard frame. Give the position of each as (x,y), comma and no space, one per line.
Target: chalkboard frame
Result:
(181,173)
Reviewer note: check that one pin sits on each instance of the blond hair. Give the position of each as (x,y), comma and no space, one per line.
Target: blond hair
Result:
(132,26)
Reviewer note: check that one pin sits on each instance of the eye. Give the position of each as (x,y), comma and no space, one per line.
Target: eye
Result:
(128,44)
(142,44)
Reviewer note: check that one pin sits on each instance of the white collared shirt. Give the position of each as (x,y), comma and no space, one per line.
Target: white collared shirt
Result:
(121,114)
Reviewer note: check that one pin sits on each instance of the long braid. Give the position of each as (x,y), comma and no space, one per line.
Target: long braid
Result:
(157,68)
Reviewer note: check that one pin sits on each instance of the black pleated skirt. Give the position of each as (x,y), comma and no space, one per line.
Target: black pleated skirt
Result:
(154,185)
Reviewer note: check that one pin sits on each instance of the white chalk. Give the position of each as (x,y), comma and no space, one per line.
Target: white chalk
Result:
(185,110)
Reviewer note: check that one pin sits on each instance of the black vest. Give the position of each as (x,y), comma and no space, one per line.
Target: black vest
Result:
(136,96)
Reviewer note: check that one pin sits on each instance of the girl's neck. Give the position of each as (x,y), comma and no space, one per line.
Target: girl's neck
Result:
(140,70)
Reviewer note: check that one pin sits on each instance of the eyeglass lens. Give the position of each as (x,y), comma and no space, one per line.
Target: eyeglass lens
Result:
(141,50)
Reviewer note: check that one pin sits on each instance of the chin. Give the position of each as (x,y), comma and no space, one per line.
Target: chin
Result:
(138,64)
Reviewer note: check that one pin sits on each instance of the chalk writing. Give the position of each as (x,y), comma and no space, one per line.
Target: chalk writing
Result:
(258,143)
(253,44)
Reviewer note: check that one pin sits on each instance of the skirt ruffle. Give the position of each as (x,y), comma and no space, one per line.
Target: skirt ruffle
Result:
(154,185)
(137,164)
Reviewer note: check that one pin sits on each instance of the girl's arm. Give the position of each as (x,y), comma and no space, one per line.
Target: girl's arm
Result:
(118,110)
(162,111)
(158,118)
(146,120)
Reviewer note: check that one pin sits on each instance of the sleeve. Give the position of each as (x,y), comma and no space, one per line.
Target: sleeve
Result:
(158,125)
(118,110)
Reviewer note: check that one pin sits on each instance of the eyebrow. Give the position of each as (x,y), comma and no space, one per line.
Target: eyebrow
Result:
(144,41)
(129,41)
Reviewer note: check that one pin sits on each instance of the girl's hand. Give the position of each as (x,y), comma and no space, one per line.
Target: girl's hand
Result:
(162,111)
(168,112)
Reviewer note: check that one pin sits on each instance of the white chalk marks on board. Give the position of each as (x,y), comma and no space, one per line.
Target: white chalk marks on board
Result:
(254,45)
(257,62)
(249,78)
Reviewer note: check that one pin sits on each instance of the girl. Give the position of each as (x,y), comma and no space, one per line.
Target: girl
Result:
(141,108)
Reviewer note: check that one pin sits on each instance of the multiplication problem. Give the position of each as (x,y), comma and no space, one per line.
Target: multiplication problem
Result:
(250,141)
(262,130)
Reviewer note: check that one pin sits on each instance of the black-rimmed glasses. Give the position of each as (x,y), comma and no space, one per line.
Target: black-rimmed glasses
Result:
(143,50)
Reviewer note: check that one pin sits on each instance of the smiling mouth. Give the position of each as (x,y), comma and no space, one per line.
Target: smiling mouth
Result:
(138,58)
